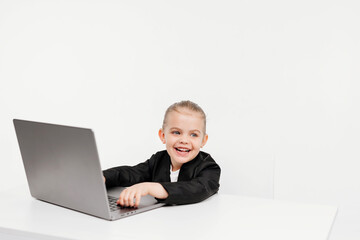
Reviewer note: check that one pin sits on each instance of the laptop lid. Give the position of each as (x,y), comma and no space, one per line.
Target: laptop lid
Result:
(62,167)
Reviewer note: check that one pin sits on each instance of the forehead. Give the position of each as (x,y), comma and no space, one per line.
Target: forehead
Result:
(185,118)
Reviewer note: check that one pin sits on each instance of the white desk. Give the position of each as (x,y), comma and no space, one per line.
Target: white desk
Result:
(221,216)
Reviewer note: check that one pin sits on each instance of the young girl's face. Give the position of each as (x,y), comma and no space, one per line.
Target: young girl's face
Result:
(183,135)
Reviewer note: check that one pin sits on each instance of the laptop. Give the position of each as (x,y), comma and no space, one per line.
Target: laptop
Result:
(62,167)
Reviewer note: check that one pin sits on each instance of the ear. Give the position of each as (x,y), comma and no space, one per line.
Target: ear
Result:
(162,135)
(204,141)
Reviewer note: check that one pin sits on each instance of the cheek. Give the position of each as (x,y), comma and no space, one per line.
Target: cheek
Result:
(169,141)
(197,144)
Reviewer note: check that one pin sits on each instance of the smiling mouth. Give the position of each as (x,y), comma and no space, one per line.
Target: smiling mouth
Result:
(182,150)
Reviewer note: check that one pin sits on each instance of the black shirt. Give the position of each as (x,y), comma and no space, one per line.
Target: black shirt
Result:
(198,179)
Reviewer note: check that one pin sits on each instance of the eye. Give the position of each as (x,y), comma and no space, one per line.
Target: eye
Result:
(194,135)
(175,132)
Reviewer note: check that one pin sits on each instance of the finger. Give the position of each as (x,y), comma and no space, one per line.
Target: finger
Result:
(137,202)
(131,199)
(121,198)
(126,198)
(120,201)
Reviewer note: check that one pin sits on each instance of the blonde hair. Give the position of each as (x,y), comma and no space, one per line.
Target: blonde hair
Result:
(187,105)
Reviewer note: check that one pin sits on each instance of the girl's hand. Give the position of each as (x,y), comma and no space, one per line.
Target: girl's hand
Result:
(136,191)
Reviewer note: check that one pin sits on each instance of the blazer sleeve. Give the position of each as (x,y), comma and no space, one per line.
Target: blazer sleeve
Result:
(204,184)
(126,176)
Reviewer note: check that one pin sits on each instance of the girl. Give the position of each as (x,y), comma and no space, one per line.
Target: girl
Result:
(180,175)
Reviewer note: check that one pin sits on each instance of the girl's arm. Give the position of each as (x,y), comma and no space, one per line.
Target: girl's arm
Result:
(125,176)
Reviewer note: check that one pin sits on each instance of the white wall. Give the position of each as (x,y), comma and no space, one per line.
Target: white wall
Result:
(278,80)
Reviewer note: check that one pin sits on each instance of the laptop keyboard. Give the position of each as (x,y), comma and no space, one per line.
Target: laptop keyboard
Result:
(112,203)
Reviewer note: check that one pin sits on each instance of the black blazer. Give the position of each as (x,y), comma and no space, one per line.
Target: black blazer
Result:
(198,179)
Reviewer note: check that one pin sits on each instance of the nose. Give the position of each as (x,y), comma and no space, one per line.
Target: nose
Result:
(184,140)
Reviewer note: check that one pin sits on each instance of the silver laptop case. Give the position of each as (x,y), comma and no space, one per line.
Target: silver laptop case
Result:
(62,167)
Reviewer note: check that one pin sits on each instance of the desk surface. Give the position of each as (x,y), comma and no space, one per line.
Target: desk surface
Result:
(220,216)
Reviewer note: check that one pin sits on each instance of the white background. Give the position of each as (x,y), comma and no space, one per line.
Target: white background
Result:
(279,81)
